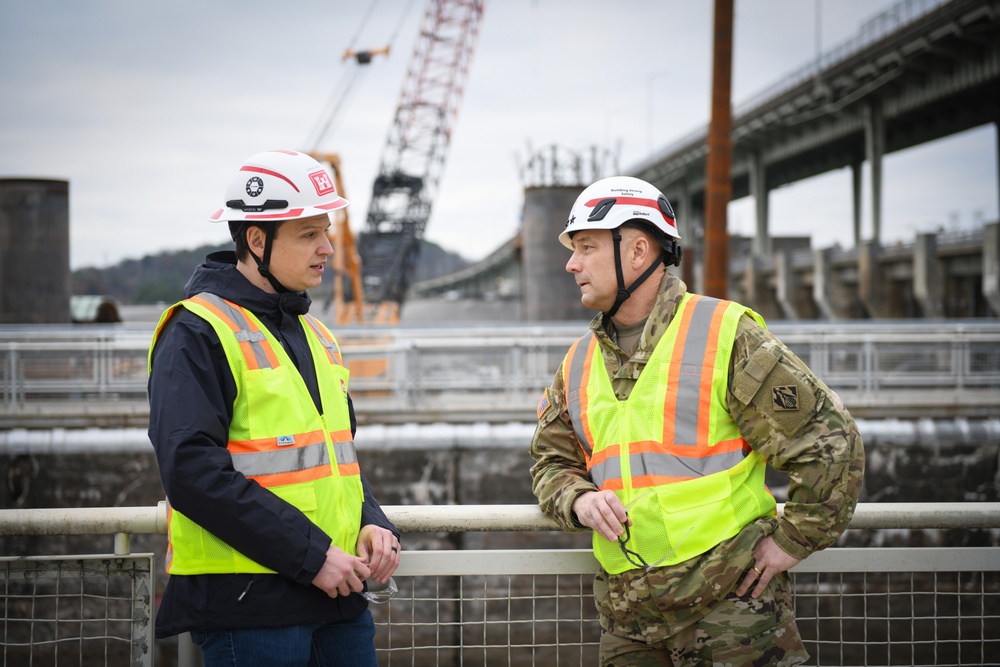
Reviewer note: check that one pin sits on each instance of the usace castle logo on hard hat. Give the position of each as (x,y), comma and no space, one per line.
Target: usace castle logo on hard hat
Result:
(255,186)
(322,182)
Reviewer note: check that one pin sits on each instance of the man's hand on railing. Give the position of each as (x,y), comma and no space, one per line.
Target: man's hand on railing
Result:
(379,548)
(602,511)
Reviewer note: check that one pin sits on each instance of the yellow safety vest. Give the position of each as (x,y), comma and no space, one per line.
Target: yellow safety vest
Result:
(304,457)
(671,452)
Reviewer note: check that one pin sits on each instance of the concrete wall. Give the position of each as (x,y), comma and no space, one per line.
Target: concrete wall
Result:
(34,251)
(548,290)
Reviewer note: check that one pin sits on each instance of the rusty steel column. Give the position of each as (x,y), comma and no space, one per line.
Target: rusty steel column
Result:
(718,167)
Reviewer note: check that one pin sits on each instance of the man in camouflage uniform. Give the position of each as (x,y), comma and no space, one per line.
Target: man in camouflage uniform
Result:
(731,603)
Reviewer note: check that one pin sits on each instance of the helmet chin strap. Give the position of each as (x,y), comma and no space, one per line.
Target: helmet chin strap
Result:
(623,292)
(263,264)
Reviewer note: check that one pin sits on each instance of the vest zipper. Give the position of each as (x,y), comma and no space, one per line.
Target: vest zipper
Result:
(245,590)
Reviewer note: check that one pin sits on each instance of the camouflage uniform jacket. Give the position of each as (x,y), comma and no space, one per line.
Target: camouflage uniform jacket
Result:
(817,444)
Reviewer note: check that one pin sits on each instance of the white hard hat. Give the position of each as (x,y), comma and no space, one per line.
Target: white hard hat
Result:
(610,202)
(279,185)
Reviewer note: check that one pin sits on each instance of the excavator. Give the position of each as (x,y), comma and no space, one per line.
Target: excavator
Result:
(373,272)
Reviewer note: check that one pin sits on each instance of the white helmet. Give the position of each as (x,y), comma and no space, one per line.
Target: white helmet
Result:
(279,185)
(610,202)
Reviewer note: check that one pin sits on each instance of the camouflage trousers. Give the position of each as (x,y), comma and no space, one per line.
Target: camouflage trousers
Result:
(689,615)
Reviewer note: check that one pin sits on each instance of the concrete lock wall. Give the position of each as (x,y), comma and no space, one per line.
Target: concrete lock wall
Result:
(549,291)
(34,251)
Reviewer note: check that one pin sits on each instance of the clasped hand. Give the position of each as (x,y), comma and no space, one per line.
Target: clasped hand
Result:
(378,557)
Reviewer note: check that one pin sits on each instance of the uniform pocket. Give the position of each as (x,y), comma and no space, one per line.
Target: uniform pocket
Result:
(624,605)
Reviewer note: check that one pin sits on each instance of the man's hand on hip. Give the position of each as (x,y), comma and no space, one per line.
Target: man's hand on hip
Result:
(769,560)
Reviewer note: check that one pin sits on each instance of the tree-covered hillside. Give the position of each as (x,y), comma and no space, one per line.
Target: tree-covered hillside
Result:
(161,278)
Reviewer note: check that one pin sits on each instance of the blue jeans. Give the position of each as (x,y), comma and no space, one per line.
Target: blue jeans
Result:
(347,643)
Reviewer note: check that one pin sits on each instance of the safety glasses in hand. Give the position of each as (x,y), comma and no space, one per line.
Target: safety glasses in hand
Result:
(380,593)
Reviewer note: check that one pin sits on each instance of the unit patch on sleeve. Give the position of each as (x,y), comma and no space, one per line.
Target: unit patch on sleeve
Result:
(785,397)
(544,404)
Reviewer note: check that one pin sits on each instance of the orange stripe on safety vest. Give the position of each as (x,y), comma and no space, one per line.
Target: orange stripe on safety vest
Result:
(295,477)
(169,558)
(611,451)
(247,349)
(268,444)
(269,353)
(245,346)
(584,395)
(348,469)
(705,390)
(218,313)
(688,451)
(585,437)
(673,380)
(613,484)
(332,354)
(567,364)
(343,435)
(645,481)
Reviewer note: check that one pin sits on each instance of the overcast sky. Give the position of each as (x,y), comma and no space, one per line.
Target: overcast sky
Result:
(147,109)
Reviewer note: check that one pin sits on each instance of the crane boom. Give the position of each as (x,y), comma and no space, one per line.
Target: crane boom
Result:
(416,148)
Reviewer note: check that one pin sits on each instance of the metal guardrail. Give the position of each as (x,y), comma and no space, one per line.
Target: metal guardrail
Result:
(903,369)
(855,606)
(89,609)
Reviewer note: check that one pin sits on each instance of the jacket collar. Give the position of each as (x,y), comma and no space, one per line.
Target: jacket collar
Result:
(218,274)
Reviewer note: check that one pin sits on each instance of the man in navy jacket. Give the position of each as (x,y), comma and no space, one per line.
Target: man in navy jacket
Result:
(311,607)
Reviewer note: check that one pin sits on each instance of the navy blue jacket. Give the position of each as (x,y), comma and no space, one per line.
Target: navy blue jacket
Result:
(191,395)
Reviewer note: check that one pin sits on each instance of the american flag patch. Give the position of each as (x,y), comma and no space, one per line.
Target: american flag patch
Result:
(544,404)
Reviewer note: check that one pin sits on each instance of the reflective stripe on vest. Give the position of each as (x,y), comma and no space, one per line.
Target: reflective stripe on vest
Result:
(298,458)
(684,452)
(253,343)
(288,448)
(671,452)
(576,377)
(329,342)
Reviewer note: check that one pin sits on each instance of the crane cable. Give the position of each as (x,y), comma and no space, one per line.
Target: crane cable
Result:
(348,78)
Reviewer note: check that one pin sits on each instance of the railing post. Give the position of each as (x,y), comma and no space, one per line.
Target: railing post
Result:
(961,362)
(869,370)
(13,376)
(101,364)
(123,544)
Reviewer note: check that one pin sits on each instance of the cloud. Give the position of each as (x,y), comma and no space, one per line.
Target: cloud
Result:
(148,108)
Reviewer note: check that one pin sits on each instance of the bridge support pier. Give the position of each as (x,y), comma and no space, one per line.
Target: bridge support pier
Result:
(871,281)
(991,266)
(856,185)
(787,284)
(874,150)
(928,286)
(822,285)
(758,188)
(756,292)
